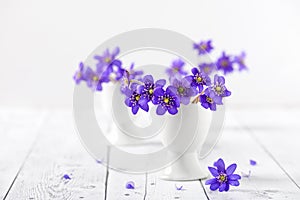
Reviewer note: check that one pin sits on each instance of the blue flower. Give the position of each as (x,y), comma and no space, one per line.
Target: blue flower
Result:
(240,60)
(210,100)
(203,47)
(94,80)
(166,101)
(198,79)
(182,88)
(148,86)
(135,100)
(176,69)
(224,63)
(219,87)
(106,59)
(79,74)
(207,68)
(223,177)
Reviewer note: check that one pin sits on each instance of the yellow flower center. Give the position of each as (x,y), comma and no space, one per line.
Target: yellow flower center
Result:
(206,69)
(209,100)
(203,46)
(78,75)
(95,78)
(107,60)
(151,91)
(137,97)
(198,79)
(222,178)
(180,90)
(218,89)
(175,69)
(224,63)
(166,100)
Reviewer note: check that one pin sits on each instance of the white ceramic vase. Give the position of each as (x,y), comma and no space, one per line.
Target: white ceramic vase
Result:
(184,135)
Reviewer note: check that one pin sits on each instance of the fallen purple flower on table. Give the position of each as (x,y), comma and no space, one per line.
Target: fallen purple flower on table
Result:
(223,177)
(179,188)
(67,177)
(253,162)
(130,185)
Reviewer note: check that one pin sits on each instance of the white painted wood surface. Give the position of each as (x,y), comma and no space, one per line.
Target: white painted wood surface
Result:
(37,148)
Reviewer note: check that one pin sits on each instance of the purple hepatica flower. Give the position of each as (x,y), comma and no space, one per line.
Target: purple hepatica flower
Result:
(182,88)
(240,60)
(135,100)
(253,162)
(224,63)
(95,80)
(210,100)
(219,87)
(166,101)
(223,177)
(207,68)
(198,79)
(79,74)
(203,47)
(176,69)
(130,185)
(147,89)
(106,59)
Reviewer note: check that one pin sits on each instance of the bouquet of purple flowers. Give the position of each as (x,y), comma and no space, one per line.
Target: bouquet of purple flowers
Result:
(183,88)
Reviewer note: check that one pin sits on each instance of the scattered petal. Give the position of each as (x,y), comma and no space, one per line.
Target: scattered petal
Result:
(253,162)
(130,185)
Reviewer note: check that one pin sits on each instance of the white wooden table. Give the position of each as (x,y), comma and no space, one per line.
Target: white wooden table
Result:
(38,147)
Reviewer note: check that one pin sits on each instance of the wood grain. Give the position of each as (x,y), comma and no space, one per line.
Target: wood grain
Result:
(57,153)
(18,131)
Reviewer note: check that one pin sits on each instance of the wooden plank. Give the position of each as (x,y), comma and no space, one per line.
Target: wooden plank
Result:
(166,190)
(267,180)
(18,130)
(116,188)
(280,140)
(56,157)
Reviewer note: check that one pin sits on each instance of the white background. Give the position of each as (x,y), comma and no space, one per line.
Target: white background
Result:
(41,43)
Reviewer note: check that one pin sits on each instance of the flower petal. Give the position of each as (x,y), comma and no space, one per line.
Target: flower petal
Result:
(144,104)
(140,89)
(227,187)
(173,110)
(234,177)
(148,79)
(160,83)
(222,187)
(234,182)
(213,171)
(195,71)
(128,102)
(159,92)
(220,165)
(211,181)
(134,109)
(214,186)
(185,100)
(160,110)
(230,169)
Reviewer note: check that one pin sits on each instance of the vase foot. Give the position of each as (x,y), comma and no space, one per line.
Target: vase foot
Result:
(186,168)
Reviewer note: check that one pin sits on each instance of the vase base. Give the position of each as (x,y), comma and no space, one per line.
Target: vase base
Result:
(186,168)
